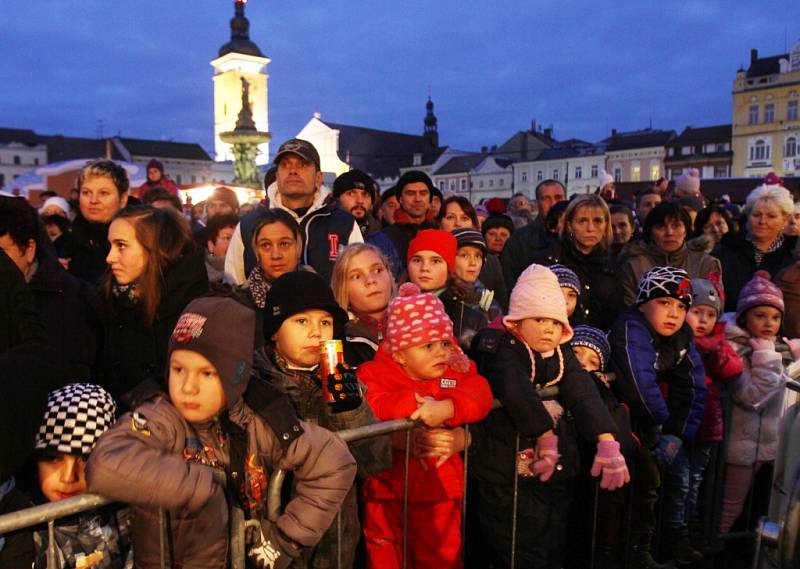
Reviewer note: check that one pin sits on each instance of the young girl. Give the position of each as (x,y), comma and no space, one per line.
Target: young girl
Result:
(300,314)
(363,285)
(76,416)
(571,288)
(759,393)
(420,372)
(171,450)
(431,266)
(537,438)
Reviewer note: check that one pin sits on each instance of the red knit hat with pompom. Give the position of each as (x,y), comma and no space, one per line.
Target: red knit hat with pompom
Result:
(415,318)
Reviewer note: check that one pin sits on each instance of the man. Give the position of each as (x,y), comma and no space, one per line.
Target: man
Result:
(520,210)
(389,205)
(69,308)
(526,241)
(221,201)
(414,191)
(297,189)
(646,200)
(155,179)
(355,193)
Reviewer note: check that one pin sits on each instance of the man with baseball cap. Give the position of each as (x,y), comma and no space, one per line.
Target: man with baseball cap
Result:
(298,189)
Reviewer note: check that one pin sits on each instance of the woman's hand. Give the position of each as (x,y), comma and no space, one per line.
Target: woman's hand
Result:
(442,443)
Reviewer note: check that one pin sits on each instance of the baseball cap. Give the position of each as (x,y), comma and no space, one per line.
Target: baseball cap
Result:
(302,148)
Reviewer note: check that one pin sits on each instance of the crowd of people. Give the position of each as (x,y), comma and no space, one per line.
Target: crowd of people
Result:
(171,359)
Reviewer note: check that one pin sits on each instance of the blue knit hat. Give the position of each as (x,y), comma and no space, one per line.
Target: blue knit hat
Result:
(594,339)
(566,278)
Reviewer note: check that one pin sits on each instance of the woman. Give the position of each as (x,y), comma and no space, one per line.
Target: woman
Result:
(623,227)
(458,213)
(363,285)
(585,247)
(278,245)
(761,245)
(153,272)
(711,224)
(431,266)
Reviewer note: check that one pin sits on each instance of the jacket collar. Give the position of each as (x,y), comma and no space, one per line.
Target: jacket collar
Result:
(320,200)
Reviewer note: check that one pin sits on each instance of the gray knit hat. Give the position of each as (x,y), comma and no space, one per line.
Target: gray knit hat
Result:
(704,293)
(76,416)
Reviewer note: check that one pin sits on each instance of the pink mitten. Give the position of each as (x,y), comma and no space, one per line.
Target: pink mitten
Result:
(611,463)
(524,461)
(547,457)
(794,347)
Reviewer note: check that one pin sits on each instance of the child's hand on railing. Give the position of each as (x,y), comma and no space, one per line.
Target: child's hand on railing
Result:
(431,411)
(546,456)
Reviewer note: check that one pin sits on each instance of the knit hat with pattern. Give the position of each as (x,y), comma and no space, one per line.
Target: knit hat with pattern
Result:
(76,416)
(659,282)
(594,339)
(759,291)
(437,240)
(415,318)
(537,294)
(466,236)
(566,277)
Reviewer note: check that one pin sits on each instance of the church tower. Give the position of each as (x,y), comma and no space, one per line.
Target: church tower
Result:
(431,132)
(239,59)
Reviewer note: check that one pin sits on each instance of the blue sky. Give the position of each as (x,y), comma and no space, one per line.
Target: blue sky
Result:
(584,67)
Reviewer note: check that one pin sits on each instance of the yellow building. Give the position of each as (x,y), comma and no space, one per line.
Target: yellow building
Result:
(766,120)
(239,59)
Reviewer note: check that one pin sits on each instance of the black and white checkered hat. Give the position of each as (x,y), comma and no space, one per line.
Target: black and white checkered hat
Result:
(76,416)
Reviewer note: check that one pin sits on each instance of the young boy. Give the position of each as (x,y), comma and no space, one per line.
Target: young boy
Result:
(294,326)
(652,354)
(419,372)
(76,416)
(170,450)
(538,438)
(722,365)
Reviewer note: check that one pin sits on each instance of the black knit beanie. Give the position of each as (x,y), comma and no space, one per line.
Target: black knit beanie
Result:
(298,291)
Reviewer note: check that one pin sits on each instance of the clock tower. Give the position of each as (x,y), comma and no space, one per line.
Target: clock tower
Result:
(239,59)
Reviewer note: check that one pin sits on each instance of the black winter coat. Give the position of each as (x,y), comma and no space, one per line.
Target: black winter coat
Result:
(520,250)
(72,313)
(91,247)
(20,323)
(601,293)
(503,360)
(492,278)
(134,351)
(401,234)
(738,258)
(468,318)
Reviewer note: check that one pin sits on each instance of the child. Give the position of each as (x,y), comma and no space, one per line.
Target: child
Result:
(76,416)
(294,326)
(758,393)
(419,372)
(524,354)
(571,288)
(722,365)
(592,350)
(652,354)
(169,452)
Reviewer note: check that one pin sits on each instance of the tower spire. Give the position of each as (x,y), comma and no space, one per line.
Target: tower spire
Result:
(431,131)
(240,33)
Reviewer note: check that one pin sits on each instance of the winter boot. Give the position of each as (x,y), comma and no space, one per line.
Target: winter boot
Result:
(641,558)
(681,548)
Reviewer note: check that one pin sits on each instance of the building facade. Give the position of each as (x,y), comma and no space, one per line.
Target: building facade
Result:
(637,156)
(766,118)
(20,150)
(708,149)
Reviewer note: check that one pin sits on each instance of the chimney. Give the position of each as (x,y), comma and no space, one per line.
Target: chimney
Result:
(109,149)
(533,125)
(613,132)
(753,55)
(484,149)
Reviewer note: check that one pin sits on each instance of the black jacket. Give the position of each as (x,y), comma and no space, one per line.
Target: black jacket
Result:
(503,360)
(72,313)
(520,249)
(601,293)
(91,247)
(492,278)
(401,234)
(738,258)
(468,318)
(134,351)
(19,320)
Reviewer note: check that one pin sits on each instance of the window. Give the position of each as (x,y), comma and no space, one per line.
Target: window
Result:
(769,112)
(441,186)
(452,185)
(555,174)
(16,160)
(636,173)
(671,151)
(752,116)
(480,185)
(687,150)
(655,171)
(194,179)
(721,171)
(539,176)
(578,172)
(676,172)
(524,176)
(491,182)
(790,151)
(617,174)
(2,180)
(791,111)
(594,171)
(760,151)
(178,179)
(35,161)
(463,184)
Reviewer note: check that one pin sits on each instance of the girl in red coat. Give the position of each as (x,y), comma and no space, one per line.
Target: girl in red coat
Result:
(419,372)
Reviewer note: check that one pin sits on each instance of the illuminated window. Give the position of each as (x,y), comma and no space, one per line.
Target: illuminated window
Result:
(760,150)
(636,173)
(655,171)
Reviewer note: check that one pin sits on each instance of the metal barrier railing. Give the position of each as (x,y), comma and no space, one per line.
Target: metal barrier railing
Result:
(50,512)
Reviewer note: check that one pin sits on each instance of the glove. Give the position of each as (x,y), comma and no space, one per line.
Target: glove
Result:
(273,552)
(344,388)
(666,449)
(611,464)
(794,346)
(546,457)
(759,344)
(524,461)
(709,344)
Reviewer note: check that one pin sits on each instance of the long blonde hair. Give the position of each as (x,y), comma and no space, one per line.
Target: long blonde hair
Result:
(342,266)
(588,200)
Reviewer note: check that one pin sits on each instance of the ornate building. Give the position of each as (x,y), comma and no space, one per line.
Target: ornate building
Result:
(239,59)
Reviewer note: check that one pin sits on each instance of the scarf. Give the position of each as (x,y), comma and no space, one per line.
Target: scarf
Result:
(259,286)
(128,294)
(759,254)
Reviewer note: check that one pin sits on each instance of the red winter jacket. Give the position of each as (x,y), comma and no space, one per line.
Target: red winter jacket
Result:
(390,393)
(722,365)
(165,183)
